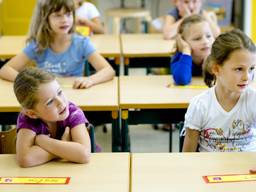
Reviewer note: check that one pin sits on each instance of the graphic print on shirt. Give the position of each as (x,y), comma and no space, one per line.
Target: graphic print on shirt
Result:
(238,137)
(57,68)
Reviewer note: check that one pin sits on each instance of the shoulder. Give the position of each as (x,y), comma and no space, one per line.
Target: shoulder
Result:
(250,94)
(78,40)
(202,100)
(76,116)
(88,5)
(24,121)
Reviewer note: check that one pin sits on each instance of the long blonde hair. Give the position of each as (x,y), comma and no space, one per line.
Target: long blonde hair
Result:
(27,83)
(40,30)
(223,46)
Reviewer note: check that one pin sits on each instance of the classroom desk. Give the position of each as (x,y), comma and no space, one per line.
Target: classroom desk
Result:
(11,46)
(100,104)
(146,50)
(108,46)
(105,172)
(183,171)
(149,100)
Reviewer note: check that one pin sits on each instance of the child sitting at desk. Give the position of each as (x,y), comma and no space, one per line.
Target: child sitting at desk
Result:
(49,126)
(183,9)
(194,41)
(223,118)
(53,46)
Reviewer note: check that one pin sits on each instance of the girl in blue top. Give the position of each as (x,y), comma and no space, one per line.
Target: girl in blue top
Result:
(194,43)
(183,9)
(53,46)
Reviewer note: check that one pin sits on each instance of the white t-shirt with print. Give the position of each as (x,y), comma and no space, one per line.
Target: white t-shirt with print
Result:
(221,130)
(87,11)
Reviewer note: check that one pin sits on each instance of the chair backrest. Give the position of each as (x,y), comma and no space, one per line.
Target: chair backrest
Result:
(8,141)
(90,129)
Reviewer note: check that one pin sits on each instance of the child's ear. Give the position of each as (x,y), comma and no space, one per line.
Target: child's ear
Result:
(215,69)
(30,113)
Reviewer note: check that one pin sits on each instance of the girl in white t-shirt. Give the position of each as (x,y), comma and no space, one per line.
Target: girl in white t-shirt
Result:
(88,15)
(223,118)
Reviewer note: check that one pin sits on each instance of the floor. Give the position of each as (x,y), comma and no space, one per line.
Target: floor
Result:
(144,138)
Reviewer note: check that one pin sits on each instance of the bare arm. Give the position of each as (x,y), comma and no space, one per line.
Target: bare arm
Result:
(191,140)
(170,28)
(77,150)
(27,153)
(104,72)
(212,20)
(10,70)
(95,24)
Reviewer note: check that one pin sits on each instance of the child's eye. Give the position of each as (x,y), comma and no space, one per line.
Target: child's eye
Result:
(49,102)
(252,68)
(59,92)
(239,69)
(208,36)
(68,14)
(197,38)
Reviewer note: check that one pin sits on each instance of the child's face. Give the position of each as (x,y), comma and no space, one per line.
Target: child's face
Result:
(237,71)
(200,38)
(188,7)
(52,104)
(61,22)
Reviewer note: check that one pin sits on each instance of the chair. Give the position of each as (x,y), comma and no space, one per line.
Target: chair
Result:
(8,141)
(117,14)
(90,129)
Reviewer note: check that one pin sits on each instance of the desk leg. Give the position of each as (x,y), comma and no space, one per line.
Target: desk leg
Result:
(125,131)
(117,65)
(116,135)
(126,66)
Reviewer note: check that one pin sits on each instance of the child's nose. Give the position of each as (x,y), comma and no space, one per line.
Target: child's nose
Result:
(59,101)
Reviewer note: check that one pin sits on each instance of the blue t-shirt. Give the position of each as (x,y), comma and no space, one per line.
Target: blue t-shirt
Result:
(174,13)
(68,63)
(76,117)
(183,68)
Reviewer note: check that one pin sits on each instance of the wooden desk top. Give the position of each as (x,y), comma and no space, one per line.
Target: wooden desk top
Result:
(11,46)
(102,97)
(183,171)
(107,45)
(146,45)
(152,92)
(106,172)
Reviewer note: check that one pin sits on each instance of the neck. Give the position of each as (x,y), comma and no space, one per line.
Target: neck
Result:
(227,99)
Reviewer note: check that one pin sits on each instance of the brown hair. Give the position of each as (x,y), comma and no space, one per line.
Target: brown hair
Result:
(188,21)
(223,46)
(26,85)
(40,30)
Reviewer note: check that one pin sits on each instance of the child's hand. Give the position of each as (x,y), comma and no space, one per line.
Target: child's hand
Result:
(209,17)
(82,83)
(66,135)
(253,171)
(183,9)
(182,45)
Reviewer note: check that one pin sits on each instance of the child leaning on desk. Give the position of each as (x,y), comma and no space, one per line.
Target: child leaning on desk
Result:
(194,42)
(49,126)
(53,46)
(223,118)
(183,9)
